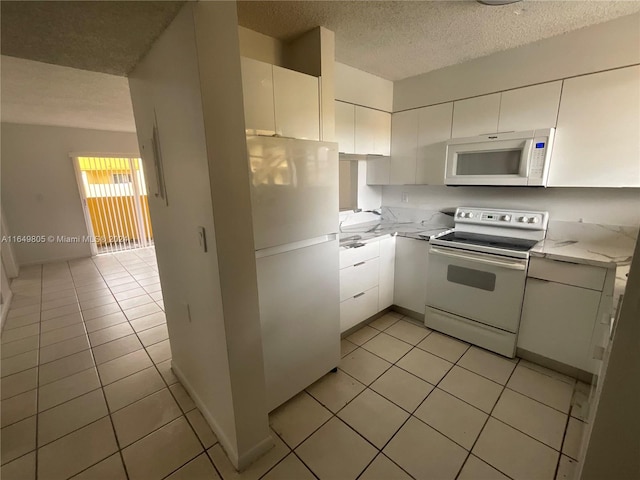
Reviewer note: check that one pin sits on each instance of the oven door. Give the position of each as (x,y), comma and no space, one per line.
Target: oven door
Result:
(482,287)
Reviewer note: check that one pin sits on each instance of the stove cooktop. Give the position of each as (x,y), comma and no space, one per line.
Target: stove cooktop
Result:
(492,241)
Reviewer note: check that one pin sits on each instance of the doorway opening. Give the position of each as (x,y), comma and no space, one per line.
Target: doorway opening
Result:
(115,203)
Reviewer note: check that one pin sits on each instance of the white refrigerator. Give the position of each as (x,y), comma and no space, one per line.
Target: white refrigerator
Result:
(294,197)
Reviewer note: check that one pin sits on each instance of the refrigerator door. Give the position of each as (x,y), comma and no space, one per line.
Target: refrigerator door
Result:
(294,189)
(300,317)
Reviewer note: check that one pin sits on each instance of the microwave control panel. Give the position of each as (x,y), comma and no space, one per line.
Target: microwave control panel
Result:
(538,157)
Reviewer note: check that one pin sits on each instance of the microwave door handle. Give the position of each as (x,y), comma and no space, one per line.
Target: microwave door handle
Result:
(526,158)
(515,265)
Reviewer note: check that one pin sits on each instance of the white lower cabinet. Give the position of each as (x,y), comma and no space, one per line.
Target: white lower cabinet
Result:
(410,281)
(386,274)
(358,278)
(558,321)
(358,308)
(366,280)
(564,304)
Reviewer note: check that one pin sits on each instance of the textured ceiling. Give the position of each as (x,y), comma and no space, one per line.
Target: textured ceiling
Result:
(401,39)
(44,94)
(101,36)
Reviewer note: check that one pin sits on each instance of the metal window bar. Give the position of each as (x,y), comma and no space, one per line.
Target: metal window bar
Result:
(118,232)
(119,211)
(98,207)
(126,209)
(144,199)
(136,198)
(104,190)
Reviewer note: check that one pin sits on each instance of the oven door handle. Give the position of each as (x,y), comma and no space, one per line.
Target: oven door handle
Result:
(513,265)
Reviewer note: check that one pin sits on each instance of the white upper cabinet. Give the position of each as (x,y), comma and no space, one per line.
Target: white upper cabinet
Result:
(530,108)
(404,143)
(277,100)
(297,105)
(598,136)
(372,131)
(345,127)
(378,171)
(434,129)
(476,116)
(257,88)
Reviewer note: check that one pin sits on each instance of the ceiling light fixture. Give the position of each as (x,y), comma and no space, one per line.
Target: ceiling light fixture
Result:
(497,3)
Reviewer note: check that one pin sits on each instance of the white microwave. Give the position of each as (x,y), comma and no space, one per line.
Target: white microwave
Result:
(511,159)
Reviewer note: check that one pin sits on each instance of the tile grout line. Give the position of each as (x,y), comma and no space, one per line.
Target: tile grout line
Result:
(38,379)
(490,415)
(104,396)
(183,413)
(459,366)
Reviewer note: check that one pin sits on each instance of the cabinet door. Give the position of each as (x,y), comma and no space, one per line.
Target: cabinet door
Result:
(257,89)
(378,171)
(434,129)
(373,131)
(387,272)
(530,107)
(297,106)
(410,281)
(598,137)
(345,127)
(558,320)
(404,147)
(476,116)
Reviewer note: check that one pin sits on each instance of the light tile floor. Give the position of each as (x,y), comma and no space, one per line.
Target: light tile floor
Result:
(88,393)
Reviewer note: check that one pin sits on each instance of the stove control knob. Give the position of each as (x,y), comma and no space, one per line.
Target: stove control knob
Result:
(523,219)
(533,220)
(470,215)
(506,218)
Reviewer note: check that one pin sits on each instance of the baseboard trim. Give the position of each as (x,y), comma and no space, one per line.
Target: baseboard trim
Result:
(551,364)
(240,462)
(409,313)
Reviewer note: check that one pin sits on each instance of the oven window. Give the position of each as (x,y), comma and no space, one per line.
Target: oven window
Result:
(472,278)
(503,162)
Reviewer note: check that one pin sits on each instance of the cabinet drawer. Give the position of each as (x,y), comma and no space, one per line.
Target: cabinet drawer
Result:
(358,278)
(356,309)
(585,276)
(351,256)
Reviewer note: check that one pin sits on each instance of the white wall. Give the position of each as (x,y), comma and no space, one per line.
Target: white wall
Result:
(590,49)
(591,205)
(362,88)
(40,194)
(260,47)
(194,89)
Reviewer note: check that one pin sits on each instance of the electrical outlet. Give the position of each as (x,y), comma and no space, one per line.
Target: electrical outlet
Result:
(404,197)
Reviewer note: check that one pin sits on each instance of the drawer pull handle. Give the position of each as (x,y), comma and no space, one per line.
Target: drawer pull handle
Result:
(359,263)
(358,295)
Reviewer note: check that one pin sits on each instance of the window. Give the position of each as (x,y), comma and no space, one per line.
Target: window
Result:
(120,178)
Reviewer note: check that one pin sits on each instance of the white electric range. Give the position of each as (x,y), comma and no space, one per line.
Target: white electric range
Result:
(476,275)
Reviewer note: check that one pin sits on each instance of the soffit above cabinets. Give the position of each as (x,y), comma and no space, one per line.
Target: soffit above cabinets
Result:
(401,39)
